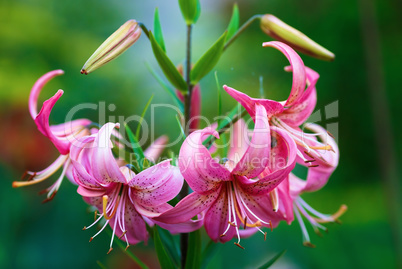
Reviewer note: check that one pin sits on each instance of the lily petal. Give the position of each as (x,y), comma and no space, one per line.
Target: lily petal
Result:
(297,114)
(217,218)
(272,107)
(188,207)
(154,151)
(238,141)
(299,74)
(256,158)
(37,88)
(200,170)
(156,185)
(104,165)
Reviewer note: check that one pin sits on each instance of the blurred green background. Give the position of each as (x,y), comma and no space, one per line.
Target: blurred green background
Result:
(364,81)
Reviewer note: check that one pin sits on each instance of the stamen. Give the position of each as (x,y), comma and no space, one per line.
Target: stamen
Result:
(273,195)
(24,175)
(237,244)
(104,226)
(127,247)
(95,215)
(86,228)
(327,147)
(49,198)
(105,199)
(331,135)
(308,244)
(90,239)
(245,223)
(314,165)
(333,217)
(110,250)
(308,154)
(309,161)
(270,225)
(232,224)
(124,233)
(265,236)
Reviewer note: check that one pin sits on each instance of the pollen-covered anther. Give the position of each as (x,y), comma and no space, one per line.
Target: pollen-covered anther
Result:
(49,198)
(222,235)
(126,247)
(85,227)
(308,244)
(334,217)
(245,222)
(265,236)
(110,250)
(237,244)
(121,236)
(90,239)
(314,165)
(308,154)
(232,224)
(270,225)
(309,161)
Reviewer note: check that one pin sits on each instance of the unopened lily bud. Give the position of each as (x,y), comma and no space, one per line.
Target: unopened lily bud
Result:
(112,47)
(280,31)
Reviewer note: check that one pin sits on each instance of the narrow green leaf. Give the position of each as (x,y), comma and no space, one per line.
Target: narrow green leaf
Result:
(158,30)
(208,60)
(219,89)
(164,260)
(180,126)
(272,261)
(209,252)
(166,87)
(234,22)
(168,68)
(190,9)
(194,250)
(137,133)
(172,246)
(138,153)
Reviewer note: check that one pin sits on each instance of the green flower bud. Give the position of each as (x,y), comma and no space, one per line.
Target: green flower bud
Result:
(112,47)
(280,31)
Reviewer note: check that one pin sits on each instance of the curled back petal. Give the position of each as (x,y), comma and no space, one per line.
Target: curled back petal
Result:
(299,75)
(239,141)
(297,114)
(42,122)
(199,169)
(154,151)
(272,107)
(255,159)
(37,88)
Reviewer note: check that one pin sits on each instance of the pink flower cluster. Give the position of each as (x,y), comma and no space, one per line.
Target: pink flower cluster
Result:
(233,196)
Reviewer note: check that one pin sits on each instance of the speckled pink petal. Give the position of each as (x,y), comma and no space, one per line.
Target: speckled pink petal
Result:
(217,217)
(199,169)
(239,141)
(188,207)
(156,185)
(256,157)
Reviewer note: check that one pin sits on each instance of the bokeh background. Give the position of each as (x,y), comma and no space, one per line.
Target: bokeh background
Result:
(362,84)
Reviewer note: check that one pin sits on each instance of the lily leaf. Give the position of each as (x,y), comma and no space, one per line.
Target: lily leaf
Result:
(208,60)
(172,247)
(194,250)
(137,132)
(210,250)
(138,153)
(191,10)
(234,22)
(158,30)
(272,261)
(164,260)
(168,68)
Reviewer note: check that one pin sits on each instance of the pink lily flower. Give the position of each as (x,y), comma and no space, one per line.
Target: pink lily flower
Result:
(126,201)
(232,192)
(290,114)
(62,136)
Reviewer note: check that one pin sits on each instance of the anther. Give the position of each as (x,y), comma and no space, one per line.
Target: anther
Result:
(110,250)
(309,161)
(85,227)
(222,235)
(95,215)
(331,135)
(237,244)
(50,198)
(232,224)
(265,236)
(121,236)
(270,225)
(314,165)
(245,222)
(90,239)
(83,71)
(308,154)
(24,175)
(31,176)
(127,247)
(308,244)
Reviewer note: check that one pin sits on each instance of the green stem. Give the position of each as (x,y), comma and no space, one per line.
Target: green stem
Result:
(144,29)
(241,30)
(187,105)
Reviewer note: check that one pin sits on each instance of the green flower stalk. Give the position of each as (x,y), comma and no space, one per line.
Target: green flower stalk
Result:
(280,31)
(112,47)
